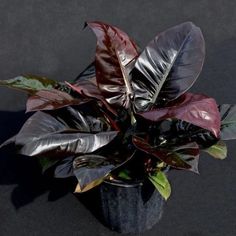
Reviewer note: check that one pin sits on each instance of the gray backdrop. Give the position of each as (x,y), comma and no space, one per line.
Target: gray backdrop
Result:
(46,38)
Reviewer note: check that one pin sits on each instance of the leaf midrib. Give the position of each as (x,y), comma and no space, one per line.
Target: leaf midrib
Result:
(159,86)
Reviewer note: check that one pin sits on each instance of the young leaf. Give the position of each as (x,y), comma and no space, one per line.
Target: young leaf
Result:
(218,150)
(51,100)
(196,109)
(29,83)
(161,183)
(168,66)
(43,134)
(90,170)
(115,56)
(228,121)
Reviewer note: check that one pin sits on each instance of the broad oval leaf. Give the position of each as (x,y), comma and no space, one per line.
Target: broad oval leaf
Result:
(196,109)
(84,118)
(115,57)
(43,134)
(51,100)
(228,121)
(29,83)
(218,150)
(168,66)
(161,183)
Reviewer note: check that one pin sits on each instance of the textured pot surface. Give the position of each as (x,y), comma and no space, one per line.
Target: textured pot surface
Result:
(130,208)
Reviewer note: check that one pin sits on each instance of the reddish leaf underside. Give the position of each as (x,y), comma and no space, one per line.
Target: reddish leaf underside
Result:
(51,100)
(196,109)
(115,57)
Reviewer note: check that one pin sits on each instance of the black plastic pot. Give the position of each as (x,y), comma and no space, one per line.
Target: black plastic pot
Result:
(130,208)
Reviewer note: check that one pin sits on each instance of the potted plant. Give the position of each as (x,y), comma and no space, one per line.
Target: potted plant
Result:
(125,121)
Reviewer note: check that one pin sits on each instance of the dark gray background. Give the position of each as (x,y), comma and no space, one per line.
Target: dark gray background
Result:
(46,38)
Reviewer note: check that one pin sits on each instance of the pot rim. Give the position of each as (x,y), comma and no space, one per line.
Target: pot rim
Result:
(124,184)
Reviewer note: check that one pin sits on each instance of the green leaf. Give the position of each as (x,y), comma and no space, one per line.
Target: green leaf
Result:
(228,121)
(124,174)
(218,150)
(29,83)
(161,183)
(47,163)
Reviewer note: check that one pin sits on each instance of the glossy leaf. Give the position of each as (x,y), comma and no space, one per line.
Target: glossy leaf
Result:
(161,183)
(115,57)
(90,170)
(196,109)
(8,141)
(228,121)
(189,153)
(86,85)
(181,157)
(168,66)
(43,134)
(218,150)
(186,132)
(29,83)
(51,100)
(64,168)
(85,118)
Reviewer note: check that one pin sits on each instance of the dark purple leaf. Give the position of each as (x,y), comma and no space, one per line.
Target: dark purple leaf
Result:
(43,134)
(228,121)
(196,109)
(182,157)
(189,153)
(115,57)
(51,100)
(91,170)
(168,66)
(88,89)
(85,118)
(185,132)
(88,73)
(64,168)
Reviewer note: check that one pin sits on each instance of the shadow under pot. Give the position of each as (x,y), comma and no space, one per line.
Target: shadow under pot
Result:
(130,207)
